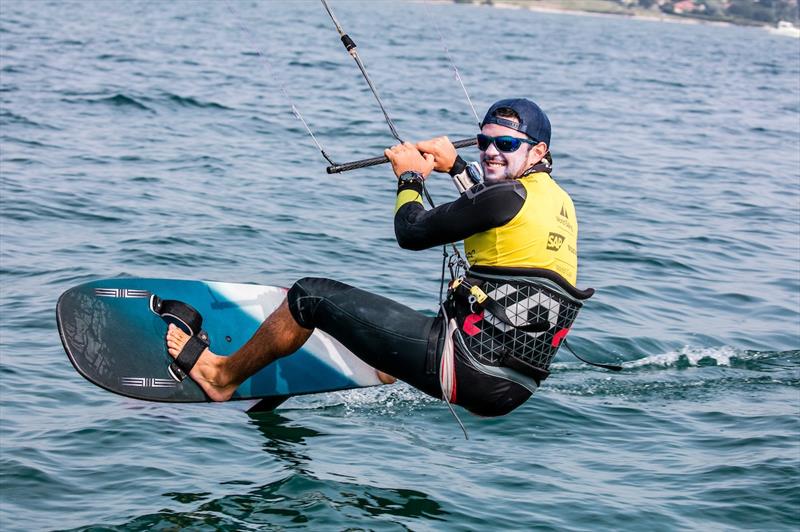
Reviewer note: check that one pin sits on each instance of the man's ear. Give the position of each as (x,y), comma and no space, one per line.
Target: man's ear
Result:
(537,153)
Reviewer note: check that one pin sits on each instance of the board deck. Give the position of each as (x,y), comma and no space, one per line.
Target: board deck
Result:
(116,341)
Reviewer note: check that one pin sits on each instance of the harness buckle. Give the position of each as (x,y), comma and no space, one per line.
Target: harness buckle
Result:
(480,295)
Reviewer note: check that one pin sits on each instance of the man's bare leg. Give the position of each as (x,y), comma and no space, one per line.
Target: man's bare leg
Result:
(278,336)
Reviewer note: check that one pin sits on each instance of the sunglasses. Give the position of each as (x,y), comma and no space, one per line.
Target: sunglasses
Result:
(504,143)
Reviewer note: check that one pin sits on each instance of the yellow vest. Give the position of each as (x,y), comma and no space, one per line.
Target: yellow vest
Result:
(543,234)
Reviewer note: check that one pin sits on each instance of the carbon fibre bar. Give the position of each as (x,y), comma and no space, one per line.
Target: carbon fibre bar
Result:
(363,163)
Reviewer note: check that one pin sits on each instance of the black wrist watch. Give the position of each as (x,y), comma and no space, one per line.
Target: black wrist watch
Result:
(410,177)
(458,166)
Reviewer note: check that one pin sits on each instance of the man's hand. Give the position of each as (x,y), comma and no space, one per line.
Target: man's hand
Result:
(443,151)
(406,157)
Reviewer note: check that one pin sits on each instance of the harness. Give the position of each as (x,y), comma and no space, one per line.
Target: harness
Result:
(512,321)
(506,322)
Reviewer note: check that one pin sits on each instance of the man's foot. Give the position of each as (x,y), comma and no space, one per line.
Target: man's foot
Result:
(208,372)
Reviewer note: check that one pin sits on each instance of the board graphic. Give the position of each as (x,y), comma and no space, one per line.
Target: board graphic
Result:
(115,340)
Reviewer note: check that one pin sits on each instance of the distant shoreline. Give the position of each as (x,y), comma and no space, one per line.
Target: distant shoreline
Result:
(597,7)
(555,7)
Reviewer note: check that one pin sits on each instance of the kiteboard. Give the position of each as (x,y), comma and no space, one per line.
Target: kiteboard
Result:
(115,339)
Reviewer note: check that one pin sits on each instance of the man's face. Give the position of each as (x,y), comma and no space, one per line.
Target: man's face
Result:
(499,165)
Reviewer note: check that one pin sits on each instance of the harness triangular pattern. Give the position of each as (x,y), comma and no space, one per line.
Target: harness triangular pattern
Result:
(525,301)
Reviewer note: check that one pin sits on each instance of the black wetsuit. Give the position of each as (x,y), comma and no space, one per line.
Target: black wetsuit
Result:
(478,209)
(397,339)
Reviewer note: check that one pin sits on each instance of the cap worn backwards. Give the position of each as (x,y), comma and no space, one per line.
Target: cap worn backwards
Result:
(533,121)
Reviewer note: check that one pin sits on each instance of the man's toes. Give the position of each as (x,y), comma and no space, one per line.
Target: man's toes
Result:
(176,333)
(176,339)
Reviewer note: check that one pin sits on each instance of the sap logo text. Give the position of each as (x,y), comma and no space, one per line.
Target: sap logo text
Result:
(554,241)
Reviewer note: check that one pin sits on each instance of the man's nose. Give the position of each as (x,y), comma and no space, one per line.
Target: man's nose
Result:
(492,150)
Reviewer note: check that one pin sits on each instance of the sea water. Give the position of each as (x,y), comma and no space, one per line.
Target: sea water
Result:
(156,139)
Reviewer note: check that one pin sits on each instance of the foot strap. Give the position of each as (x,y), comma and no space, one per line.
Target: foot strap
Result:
(188,356)
(185,314)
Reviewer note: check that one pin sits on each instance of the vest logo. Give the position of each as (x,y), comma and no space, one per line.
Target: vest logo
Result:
(554,241)
(563,220)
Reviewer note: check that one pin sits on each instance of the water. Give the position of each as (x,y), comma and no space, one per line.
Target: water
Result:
(150,139)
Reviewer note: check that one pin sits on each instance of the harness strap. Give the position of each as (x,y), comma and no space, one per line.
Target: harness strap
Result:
(447,372)
(500,313)
(462,286)
(434,336)
(610,367)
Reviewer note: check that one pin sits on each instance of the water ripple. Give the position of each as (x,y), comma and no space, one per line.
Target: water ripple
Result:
(155,143)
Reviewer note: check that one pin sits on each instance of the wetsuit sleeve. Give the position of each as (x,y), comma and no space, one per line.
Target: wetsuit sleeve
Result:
(478,209)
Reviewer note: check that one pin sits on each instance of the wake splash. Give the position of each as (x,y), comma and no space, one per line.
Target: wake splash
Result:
(388,400)
(689,356)
(698,357)
(695,373)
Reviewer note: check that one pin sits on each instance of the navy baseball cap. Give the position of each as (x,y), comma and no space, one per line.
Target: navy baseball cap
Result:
(533,121)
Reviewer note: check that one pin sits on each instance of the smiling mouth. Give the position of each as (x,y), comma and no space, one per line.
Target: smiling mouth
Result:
(494,164)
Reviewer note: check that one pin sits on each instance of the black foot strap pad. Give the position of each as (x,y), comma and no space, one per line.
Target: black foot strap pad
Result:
(184,313)
(188,356)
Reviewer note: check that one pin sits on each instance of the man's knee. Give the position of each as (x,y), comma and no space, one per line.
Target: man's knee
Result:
(306,294)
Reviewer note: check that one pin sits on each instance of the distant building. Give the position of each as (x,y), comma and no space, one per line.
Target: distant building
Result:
(685,6)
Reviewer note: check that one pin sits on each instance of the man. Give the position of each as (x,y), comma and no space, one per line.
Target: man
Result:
(517,226)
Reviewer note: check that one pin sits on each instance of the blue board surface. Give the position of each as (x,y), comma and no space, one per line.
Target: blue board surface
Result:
(116,341)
